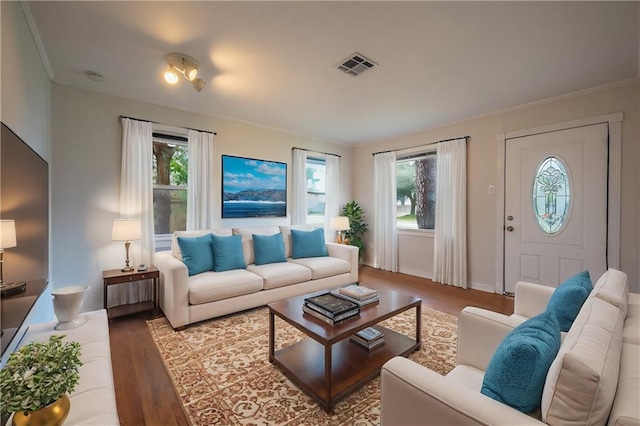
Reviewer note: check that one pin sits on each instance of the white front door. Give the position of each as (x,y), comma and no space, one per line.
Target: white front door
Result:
(555,206)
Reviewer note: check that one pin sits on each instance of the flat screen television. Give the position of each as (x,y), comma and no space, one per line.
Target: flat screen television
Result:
(24,198)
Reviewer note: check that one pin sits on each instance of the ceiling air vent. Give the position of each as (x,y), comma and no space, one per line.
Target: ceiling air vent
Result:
(356,64)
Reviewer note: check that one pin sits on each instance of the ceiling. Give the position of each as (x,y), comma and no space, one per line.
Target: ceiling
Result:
(273,63)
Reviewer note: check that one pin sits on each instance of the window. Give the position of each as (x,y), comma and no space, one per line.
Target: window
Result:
(416,189)
(316,173)
(551,195)
(170,170)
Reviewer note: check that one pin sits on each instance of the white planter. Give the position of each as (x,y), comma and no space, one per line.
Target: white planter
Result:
(67,302)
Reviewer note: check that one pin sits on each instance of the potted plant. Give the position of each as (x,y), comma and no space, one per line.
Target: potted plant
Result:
(36,380)
(358,227)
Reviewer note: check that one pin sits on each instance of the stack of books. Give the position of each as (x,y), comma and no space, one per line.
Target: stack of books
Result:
(357,294)
(370,338)
(330,309)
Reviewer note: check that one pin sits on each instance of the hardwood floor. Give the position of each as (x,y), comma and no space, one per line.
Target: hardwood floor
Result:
(144,392)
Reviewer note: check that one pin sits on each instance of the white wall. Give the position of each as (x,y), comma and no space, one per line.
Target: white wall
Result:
(482,171)
(26,89)
(87,142)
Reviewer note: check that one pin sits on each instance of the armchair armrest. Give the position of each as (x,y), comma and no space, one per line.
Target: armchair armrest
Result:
(174,288)
(348,253)
(531,299)
(479,333)
(414,395)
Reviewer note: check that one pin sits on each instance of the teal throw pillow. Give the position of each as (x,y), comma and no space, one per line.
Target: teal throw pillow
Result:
(308,243)
(582,279)
(518,369)
(268,249)
(227,253)
(567,300)
(197,254)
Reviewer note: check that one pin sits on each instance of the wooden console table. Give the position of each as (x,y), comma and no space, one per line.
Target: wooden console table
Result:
(116,276)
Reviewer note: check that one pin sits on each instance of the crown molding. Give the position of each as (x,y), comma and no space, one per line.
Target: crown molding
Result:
(36,38)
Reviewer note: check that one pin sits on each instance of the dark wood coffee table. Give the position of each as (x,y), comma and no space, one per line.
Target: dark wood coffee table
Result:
(329,366)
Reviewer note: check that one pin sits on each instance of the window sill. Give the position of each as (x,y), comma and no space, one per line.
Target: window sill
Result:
(421,233)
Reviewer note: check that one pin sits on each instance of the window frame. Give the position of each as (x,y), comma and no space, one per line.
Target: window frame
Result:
(408,155)
(163,241)
(311,159)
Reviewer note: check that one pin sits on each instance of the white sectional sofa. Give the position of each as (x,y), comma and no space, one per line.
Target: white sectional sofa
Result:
(593,380)
(188,299)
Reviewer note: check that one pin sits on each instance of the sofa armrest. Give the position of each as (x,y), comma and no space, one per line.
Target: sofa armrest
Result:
(174,288)
(414,395)
(348,253)
(479,333)
(531,299)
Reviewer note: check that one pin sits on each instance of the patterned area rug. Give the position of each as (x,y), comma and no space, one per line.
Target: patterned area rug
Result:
(221,372)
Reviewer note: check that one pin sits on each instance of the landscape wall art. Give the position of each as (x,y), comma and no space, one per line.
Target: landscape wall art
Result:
(253,188)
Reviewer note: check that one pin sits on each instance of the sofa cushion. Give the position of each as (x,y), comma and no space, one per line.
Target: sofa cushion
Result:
(582,380)
(631,328)
(281,274)
(612,287)
(247,239)
(308,243)
(175,248)
(227,253)
(268,249)
(322,267)
(516,373)
(566,301)
(626,410)
(212,286)
(197,253)
(286,236)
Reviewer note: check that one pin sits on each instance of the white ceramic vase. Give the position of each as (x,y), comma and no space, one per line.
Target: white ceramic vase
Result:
(67,302)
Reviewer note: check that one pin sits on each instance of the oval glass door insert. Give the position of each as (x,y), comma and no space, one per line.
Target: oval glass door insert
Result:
(551,195)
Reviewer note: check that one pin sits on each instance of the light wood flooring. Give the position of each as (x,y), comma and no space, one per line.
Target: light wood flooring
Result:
(144,392)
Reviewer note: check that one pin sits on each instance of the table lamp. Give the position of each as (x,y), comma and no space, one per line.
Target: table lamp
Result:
(126,230)
(340,224)
(8,240)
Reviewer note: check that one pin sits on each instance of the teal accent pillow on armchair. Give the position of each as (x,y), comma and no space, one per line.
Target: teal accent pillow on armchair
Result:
(227,252)
(518,369)
(268,249)
(567,300)
(308,243)
(197,254)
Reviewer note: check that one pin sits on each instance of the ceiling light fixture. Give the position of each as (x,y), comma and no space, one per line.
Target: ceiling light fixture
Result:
(185,65)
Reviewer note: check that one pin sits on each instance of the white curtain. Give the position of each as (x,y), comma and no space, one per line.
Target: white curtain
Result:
(450,244)
(136,201)
(332,194)
(200,207)
(299,184)
(385,244)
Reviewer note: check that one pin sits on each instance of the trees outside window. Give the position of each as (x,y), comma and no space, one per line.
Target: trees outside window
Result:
(416,191)
(170,170)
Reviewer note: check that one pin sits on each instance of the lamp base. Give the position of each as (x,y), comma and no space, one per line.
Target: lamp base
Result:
(128,269)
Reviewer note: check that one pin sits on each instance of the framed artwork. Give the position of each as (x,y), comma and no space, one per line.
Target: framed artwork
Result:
(253,188)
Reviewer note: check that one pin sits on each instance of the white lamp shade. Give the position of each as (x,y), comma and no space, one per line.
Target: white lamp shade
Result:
(126,230)
(7,234)
(340,223)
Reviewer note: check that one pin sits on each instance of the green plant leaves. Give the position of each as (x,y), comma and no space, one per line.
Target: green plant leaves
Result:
(38,374)
(355,213)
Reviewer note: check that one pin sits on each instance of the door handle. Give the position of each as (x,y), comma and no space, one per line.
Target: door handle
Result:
(509,228)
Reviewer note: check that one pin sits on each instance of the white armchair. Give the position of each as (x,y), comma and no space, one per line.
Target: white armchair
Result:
(598,355)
